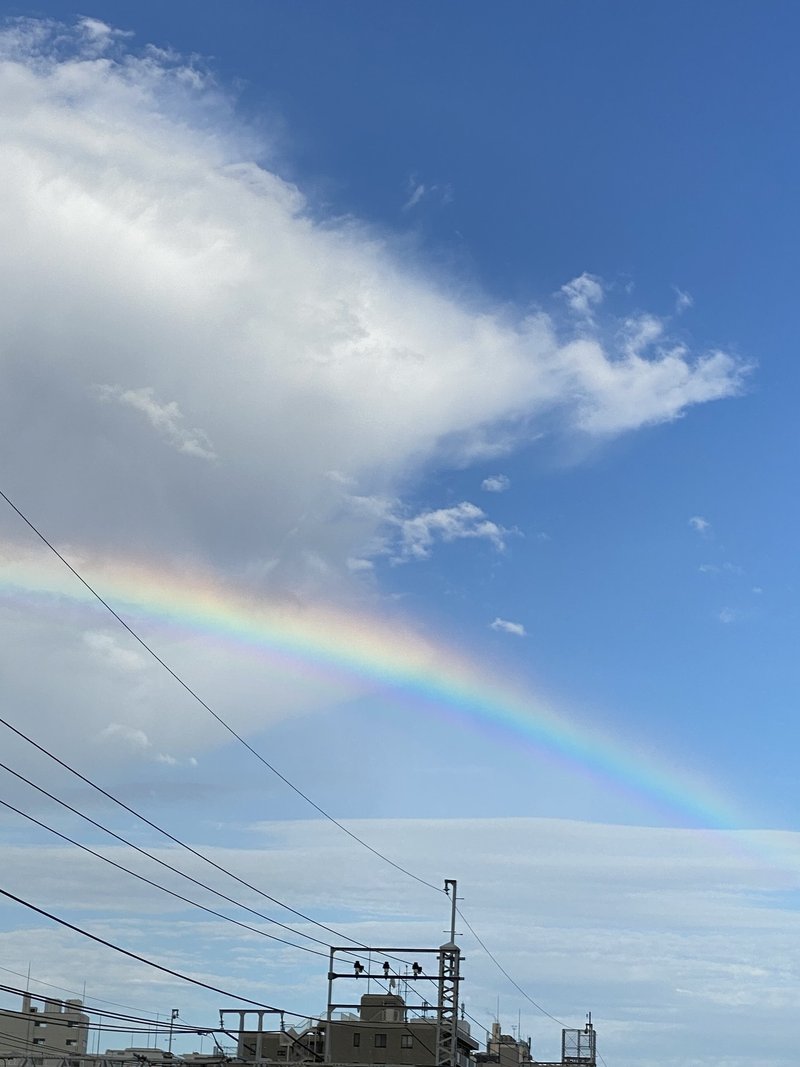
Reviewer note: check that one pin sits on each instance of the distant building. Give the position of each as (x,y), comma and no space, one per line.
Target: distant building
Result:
(506,1050)
(383,1032)
(52,1028)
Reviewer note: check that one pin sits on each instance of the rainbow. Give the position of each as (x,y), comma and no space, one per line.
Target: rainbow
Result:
(340,644)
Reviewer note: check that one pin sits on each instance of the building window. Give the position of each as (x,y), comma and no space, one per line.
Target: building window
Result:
(39,1023)
(281,1053)
(406,1041)
(380,1041)
(356,1039)
(70,1041)
(38,1041)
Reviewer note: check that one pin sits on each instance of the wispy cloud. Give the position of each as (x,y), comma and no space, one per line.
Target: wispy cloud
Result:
(126,735)
(496,483)
(125,659)
(417,194)
(136,740)
(725,568)
(506,627)
(699,524)
(728,615)
(167,419)
(419,191)
(683,301)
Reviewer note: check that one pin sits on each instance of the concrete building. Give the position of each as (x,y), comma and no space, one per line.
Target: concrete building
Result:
(50,1027)
(383,1032)
(506,1050)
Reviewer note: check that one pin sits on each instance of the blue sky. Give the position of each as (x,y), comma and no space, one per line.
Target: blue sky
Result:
(474,322)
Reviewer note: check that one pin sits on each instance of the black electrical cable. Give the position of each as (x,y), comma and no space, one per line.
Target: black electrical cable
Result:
(157,885)
(158,860)
(171,837)
(218,718)
(176,840)
(502,969)
(222,722)
(143,959)
(114,1016)
(63,989)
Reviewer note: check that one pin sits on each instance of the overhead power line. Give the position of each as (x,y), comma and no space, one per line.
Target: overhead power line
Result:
(502,970)
(176,840)
(253,751)
(157,885)
(64,989)
(218,718)
(114,1016)
(143,959)
(156,859)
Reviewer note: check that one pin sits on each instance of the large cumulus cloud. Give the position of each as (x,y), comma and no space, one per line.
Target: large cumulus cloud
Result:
(187,352)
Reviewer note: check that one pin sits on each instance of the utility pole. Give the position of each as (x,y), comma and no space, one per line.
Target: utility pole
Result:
(449,981)
(453,900)
(172,1018)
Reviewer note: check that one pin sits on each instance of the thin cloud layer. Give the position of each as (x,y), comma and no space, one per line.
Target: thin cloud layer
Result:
(146,252)
(671,934)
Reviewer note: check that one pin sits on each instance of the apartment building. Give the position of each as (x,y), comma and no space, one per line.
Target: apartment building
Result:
(46,1027)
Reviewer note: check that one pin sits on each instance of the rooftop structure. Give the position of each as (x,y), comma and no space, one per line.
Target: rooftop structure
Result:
(52,1027)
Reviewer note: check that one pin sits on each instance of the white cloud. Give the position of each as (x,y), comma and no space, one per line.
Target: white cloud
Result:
(699,524)
(463,521)
(496,483)
(126,735)
(133,214)
(683,301)
(728,615)
(356,564)
(136,740)
(506,627)
(583,294)
(640,332)
(404,537)
(166,418)
(125,659)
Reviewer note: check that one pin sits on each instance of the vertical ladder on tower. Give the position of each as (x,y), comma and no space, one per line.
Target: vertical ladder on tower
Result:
(447,1008)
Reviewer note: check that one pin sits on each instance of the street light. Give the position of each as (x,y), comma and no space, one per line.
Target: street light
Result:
(172,1018)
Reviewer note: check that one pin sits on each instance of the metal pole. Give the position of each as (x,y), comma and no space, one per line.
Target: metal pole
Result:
(259,1035)
(452,882)
(329,1014)
(172,1018)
